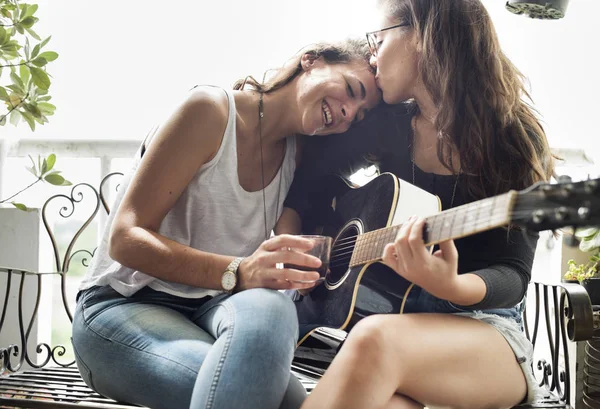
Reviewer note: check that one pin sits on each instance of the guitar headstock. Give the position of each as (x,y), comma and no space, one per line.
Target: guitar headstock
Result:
(547,206)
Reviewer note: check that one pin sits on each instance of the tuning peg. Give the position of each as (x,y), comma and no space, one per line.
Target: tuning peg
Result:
(567,190)
(583,212)
(561,214)
(564,179)
(591,186)
(538,216)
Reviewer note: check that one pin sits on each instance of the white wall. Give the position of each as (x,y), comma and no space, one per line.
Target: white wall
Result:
(21,247)
(124,63)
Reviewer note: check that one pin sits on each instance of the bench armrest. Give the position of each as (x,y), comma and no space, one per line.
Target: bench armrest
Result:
(573,304)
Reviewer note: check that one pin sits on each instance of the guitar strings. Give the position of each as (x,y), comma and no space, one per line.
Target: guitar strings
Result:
(346,245)
(433,217)
(492,218)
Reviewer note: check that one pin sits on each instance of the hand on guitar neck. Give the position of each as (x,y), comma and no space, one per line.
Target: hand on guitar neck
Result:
(438,272)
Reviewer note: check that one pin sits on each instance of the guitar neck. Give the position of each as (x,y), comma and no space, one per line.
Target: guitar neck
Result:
(454,223)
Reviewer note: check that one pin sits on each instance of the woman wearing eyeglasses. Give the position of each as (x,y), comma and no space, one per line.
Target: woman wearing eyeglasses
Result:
(464,134)
(180,307)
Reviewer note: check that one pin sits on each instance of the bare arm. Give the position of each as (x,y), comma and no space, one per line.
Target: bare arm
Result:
(190,138)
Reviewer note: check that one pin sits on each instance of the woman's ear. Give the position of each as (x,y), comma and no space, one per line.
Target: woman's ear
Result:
(308,61)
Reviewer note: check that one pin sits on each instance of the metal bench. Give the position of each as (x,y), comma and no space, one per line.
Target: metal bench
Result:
(35,375)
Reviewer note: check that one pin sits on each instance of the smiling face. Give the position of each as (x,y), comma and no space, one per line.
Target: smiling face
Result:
(396,62)
(331,97)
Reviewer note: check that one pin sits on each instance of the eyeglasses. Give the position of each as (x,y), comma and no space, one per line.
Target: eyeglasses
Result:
(372,38)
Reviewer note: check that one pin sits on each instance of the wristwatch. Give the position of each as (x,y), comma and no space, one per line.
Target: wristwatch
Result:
(229,278)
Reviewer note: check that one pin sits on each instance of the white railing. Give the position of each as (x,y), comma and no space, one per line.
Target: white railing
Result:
(108,149)
(105,149)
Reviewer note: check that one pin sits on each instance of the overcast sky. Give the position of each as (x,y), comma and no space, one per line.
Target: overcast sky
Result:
(124,64)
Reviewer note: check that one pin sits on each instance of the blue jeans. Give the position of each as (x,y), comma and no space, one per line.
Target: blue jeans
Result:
(163,351)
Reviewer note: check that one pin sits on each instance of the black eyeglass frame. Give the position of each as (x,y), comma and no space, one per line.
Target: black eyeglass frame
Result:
(372,40)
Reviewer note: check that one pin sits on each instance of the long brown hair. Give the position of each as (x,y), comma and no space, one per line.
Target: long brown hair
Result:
(480,96)
(333,53)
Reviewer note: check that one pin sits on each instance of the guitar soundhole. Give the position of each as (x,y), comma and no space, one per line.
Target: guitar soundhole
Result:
(341,252)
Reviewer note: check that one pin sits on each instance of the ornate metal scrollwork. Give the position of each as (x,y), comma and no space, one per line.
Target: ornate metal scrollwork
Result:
(14,357)
(566,311)
(102,195)
(591,370)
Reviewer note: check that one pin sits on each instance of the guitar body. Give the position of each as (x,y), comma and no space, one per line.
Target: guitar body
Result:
(363,220)
(351,293)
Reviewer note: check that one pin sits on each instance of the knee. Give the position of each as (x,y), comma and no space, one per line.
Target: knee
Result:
(367,341)
(380,343)
(271,312)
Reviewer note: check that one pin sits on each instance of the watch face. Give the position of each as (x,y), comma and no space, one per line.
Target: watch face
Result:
(228,281)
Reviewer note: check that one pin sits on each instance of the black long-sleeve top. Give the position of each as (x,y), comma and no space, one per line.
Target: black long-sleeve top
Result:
(501,257)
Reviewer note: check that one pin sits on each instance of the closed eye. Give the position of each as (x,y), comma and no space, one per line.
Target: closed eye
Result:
(349,89)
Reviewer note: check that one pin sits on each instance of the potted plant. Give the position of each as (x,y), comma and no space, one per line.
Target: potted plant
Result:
(25,83)
(540,9)
(588,273)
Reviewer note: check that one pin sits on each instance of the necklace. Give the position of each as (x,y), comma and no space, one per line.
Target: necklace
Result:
(262,169)
(413,124)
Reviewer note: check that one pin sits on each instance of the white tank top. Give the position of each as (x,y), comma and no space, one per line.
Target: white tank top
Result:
(213,214)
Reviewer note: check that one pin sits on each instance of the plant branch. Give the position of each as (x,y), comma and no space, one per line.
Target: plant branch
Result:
(20,191)
(3,117)
(15,65)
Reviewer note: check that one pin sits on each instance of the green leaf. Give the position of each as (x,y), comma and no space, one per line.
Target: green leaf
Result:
(19,28)
(40,78)
(20,206)
(33,110)
(25,74)
(26,47)
(54,179)
(15,117)
(43,43)
(30,11)
(39,61)
(3,35)
(17,80)
(2,120)
(46,107)
(35,51)
(33,34)
(32,171)
(17,91)
(49,55)
(3,94)
(33,165)
(44,166)
(50,161)
(29,119)
(27,22)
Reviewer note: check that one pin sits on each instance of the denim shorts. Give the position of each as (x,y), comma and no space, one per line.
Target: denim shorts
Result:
(521,346)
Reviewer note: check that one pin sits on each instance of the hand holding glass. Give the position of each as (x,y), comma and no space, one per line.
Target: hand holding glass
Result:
(321,249)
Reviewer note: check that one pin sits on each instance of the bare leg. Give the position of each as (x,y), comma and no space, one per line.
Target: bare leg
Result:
(438,360)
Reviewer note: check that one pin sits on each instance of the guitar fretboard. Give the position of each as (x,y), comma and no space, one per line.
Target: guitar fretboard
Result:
(454,223)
